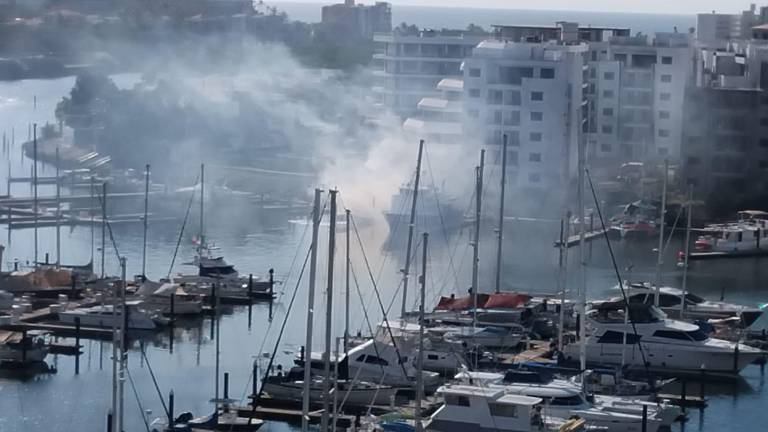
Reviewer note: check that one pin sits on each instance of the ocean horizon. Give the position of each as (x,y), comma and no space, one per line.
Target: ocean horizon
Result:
(461,17)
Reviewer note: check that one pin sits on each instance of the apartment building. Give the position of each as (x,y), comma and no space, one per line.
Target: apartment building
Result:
(715,29)
(531,90)
(440,119)
(725,136)
(358,19)
(409,63)
(636,91)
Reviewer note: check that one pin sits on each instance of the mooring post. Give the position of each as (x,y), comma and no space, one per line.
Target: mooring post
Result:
(736,357)
(77,345)
(213,296)
(255,389)
(173,306)
(109,422)
(170,411)
(250,285)
(23,347)
(46,259)
(645,418)
(271,284)
(226,391)
(682,396)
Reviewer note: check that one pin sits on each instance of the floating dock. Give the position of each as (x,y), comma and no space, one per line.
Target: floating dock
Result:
(701,256)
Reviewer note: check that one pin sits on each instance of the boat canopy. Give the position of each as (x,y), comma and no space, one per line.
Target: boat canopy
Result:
(485,301)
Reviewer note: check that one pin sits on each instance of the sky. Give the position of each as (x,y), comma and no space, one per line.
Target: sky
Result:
(647,6)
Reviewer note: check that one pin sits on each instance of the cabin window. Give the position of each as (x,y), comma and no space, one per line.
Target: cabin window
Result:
(369,359)
(693,298)
(668,300)
(669,334)
(566,401)
(432,357)
(503,410)
(614,337)
(456,400)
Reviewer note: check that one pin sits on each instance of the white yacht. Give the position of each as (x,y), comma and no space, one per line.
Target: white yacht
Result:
(487,337)
(105,316)
(290,388)
(695,306)
(157,297)
(433,210)
(748,233)
(565,399)
(441,355)
(379,363)
(661,344)
(475,408)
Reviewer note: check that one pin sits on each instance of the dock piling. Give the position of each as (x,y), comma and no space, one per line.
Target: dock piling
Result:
(109,422)
(173,306)
(736,357)
(77,345)
(170,410)
(255,389)
(23,347)
(683,403)
(645,418)
(226,390)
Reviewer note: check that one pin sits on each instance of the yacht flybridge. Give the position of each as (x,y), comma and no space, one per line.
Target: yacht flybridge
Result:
(660,344)
(695,306)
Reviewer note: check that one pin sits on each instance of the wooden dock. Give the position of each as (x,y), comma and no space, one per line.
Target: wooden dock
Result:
(575,239)
(701,256)
(291,416)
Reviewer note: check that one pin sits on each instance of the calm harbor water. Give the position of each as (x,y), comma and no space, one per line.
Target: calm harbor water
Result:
(68,402)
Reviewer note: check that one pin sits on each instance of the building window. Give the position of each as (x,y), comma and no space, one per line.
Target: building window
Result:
(663,151)
(474,72)
(534,157)
(666,78)
(608,112)
(664,133)
(534,137)
(667,60)
(512,118)
(512,97)
(665,96)
(513,139)
(537,96)
(607,129)
(496,119)
(474,93)
(495,97)
(534,178)
(547,73)
(609,76)
(664,115)
(537,116)
(605,148)
(608,94)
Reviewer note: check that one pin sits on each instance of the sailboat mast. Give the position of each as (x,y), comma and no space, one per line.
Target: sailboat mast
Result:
(565,232)
(420,358)
(93,228)
(122,349)
(346,299)
(582,262)
(58,212)
(34,183)
(146,215)
(202,211)
(501,211)
(329,312)
(218,355)
(103,226)
(687,250)
(476,242)
(310,314)
(662,219)
(411,226)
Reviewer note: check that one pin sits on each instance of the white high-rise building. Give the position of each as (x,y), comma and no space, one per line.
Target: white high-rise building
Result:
(409,63)
(531,91)
(636,91)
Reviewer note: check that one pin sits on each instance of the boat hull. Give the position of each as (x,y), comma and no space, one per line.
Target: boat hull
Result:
(293,391)
(134,322)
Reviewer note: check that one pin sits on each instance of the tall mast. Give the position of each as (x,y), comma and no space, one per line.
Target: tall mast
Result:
(34,183)
(115,360)
(687,250)
(346,300)
(201,236)
(476,242)
(93,228)
(420,358)
(103,226)
(329,312)
(310,314)
(411,226)
(501,212)
(58,212)
(662,219)
(565,232)
(582,262)
(146,215)
(218,357)
(123,343)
